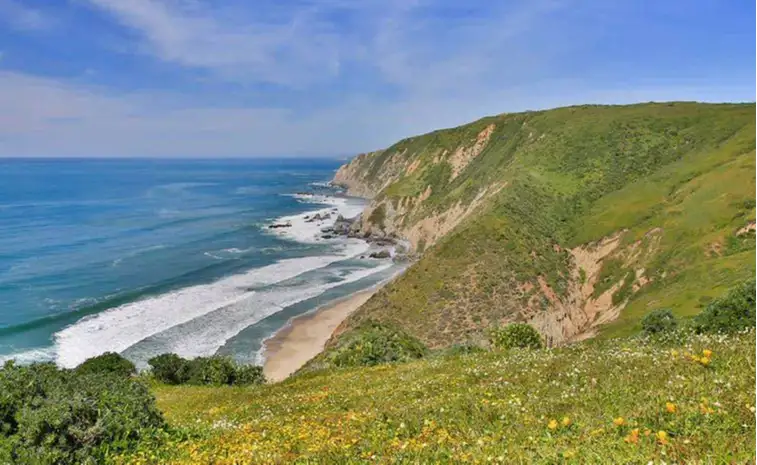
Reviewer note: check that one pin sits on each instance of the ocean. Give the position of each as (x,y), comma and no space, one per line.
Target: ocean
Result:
(146,256)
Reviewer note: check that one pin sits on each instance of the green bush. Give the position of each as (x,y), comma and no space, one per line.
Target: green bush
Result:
(659,321)
(54,416)
(216,370)
(109,362)
(213,370)
(169,369)
(248,374)
(515,335)
(373,344)
(732,312)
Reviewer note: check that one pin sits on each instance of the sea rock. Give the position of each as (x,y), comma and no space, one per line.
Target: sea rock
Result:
(380,254)
(342,226)
(280,225)
(316,217)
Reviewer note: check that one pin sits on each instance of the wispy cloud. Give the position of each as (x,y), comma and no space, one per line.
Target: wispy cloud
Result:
(23,18)
(291,46)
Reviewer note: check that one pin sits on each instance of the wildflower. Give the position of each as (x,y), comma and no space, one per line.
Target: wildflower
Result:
(552,425)
(674,353)
(566,421)
(662,437)
(620,421)
(670,407)
(704,361)
(707,353)
(633,437)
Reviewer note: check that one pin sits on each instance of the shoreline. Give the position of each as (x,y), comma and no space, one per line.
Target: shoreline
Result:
(305,336)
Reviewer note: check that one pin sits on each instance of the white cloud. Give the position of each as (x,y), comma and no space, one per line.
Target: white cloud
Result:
(293,48)
(417,45)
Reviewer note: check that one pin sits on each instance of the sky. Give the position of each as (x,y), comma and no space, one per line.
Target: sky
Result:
(254,78)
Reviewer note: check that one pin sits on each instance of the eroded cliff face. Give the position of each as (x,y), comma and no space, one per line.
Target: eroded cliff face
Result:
(354,176)
(404,216)
(557,219)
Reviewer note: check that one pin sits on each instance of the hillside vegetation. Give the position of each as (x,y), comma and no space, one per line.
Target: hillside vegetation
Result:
(574,220)
(625,400)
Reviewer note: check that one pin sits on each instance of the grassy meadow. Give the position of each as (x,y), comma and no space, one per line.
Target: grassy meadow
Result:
(681,399)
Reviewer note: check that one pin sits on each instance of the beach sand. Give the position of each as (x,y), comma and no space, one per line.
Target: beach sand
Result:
(306,335)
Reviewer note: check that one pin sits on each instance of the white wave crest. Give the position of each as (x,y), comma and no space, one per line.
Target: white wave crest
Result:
(118,328)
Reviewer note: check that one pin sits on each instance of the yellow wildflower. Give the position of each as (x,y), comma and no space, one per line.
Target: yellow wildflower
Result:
(570,453)
(707,353)
(704,361)
(566,421)
(620,421)
(670,407)
(662,437)
(674,353)
(552,425)
(633,437)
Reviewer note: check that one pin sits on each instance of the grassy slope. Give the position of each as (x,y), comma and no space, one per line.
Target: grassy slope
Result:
(483,408)
(575,175)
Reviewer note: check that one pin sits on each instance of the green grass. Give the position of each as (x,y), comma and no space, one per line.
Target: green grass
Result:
(491,407)
(573,176)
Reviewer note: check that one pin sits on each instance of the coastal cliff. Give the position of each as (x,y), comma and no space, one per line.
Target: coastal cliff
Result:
(568,219)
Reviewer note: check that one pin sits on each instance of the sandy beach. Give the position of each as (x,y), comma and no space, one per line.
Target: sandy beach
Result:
(305,336)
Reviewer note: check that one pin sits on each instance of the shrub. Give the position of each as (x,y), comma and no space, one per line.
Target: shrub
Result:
(515,335)
(54,416)
(169,368)
(373,344)
(109,362)
(216,370)
(248,374)
(659,321)
(732,312)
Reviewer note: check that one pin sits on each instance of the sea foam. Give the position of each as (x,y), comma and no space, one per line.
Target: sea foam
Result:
(118,328)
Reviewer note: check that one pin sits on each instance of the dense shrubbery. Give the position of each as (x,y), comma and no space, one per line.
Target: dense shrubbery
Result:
(515,335)
(109,362)
(659,321)
(374,343)
(215,370)
(732,312)
(54,416)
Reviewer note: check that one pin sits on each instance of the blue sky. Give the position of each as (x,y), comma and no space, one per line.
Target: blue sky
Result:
(335,77)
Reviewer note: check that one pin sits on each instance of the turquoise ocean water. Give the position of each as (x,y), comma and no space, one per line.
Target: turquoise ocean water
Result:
(149,256)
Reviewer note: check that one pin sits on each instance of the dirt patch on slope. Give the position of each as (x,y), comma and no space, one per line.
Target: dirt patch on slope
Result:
(463,155)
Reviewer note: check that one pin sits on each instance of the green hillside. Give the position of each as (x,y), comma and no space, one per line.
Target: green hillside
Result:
(672,183)
(616,401)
